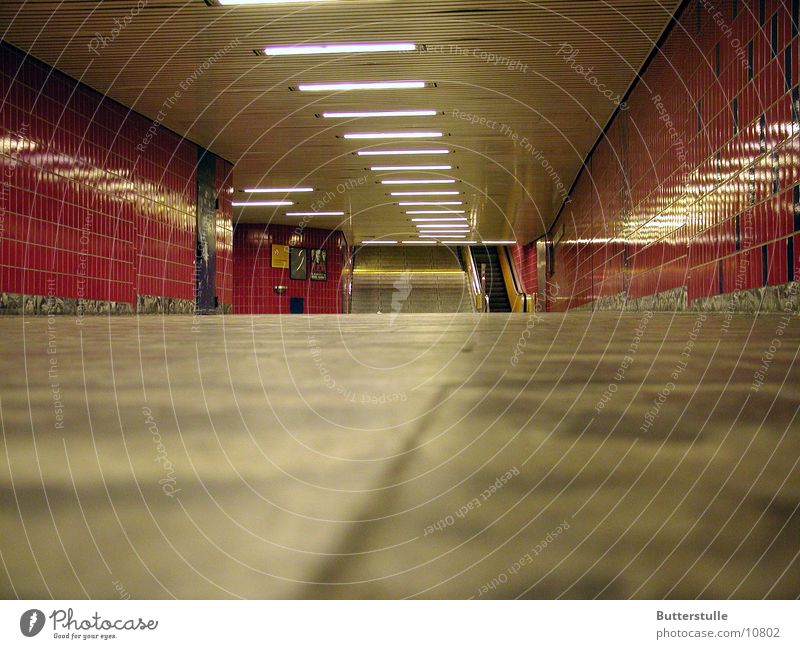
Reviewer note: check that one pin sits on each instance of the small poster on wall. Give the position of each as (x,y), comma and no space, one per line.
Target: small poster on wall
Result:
(298,263)
(319,264)
(280,256)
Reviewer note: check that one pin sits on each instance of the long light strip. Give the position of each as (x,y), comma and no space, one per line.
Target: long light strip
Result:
(435,212)
(458,243)
(425,193)
(314,213)
(413,168)
(429,203)
(262,203)
(332,48)
(444,236)
(446,231)
(406,152)
(360,85)
(417,181)
(392,135)
(276,190)
(450,229)
(439,219)
(260,2)
(441,226)
(381,113)
(499,243)
(426,243)
(378,241)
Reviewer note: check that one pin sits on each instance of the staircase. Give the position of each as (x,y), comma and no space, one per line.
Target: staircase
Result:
(394,280)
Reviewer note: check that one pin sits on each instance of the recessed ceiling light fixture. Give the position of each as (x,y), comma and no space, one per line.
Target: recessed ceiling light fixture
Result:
(413,168)
(276,190)
(441,226)
(447,229)
(262,203)
(328,48)
(440,181)
(361,85)
(436,212)
(405,152)
(430,203)
(443,236)
(378,241)
(424,193)
(425,243)
(498,243)
(440,219)
(381,113)
(392,136)
(314,213)
(256,2)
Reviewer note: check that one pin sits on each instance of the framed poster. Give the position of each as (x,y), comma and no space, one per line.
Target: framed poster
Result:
(319,264)
(298,263)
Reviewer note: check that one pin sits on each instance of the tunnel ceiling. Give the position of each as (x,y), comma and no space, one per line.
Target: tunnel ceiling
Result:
(517,113)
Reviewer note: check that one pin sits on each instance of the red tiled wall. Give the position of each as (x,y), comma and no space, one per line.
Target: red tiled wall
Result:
(705,205)
(524,258)
(224,189)
(163,201)
(254,277)
(85,214)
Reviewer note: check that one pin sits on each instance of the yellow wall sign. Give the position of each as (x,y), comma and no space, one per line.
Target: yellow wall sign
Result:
(280,256)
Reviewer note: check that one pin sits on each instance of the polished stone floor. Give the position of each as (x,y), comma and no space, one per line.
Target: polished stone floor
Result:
(426,456)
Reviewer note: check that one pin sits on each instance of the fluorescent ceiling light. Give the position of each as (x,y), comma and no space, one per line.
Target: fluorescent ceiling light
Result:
(277,190)
(414,168)
(259,2)
(392,135)
(430,203)
(314,213)
(427,228)
(360,85)
(378,241)
(447,229)
(444,236)
(427,243)
(439,220)
(331,48)
(425,193)
(406,152)
(459,243)
(382,113)
(439,181)
(499,243)
(262,203)
(435,223)
(435,212)
(441,226)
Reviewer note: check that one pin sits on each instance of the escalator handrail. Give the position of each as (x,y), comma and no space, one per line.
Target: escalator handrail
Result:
(472,271)
(519,291)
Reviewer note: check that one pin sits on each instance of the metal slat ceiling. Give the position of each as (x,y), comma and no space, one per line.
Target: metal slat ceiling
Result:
(242,108)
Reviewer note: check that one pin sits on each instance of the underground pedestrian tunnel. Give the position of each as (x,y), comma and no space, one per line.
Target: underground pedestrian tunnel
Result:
(356,299)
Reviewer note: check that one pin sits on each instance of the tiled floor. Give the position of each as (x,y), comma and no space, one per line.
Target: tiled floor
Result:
(441,456)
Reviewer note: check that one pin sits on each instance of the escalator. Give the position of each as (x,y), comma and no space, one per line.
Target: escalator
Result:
(487,261)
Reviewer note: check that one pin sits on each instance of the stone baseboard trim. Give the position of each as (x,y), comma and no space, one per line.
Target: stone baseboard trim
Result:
(19,304)
(784,298)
